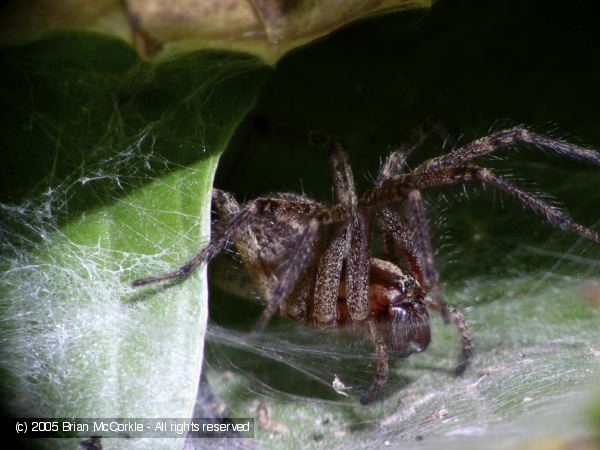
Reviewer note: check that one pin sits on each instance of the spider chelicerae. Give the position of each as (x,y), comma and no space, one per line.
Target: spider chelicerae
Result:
(313,262)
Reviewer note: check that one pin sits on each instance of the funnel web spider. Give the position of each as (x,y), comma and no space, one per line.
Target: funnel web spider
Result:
(312,262)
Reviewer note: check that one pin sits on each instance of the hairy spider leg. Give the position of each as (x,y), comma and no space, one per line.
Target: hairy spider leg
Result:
(400,187)
(358,261)
(503,140)
(465,339)
(329,269)
(399,241)
(358,233)
(330,264)
(329,272)
(395,162)
(381,350)
(404,241)
(418,221)
(393,227)
(414,241)
(218,242)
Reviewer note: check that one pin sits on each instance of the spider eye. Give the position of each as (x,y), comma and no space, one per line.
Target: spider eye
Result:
(409,330)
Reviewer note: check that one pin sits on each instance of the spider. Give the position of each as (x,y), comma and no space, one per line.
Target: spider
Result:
(313,263)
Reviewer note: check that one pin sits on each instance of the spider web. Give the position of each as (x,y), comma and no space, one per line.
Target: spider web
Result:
(112,162)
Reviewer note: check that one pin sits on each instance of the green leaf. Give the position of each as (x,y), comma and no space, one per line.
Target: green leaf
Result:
(108,176)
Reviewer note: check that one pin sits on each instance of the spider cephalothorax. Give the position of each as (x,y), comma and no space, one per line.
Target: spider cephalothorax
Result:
(313,262)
